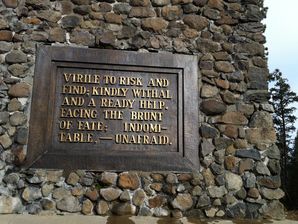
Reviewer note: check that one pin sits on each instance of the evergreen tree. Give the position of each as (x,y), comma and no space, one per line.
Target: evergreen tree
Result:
(295,150)
(292,199)
(282,99)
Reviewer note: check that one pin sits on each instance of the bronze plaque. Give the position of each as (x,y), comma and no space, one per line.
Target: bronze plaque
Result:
(114,110)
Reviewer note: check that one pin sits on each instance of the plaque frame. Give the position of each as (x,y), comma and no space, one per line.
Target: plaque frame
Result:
(39,153)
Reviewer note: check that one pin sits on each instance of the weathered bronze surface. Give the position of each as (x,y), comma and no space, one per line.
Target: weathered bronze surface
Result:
(114,110)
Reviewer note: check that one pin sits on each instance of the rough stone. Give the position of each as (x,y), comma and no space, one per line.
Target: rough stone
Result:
(229,199)
(21,89)
(231,131)
(172,178)
(6,35)
(51,16)
(253,49)
(157,201)
(57,35)
(9,205)
(60,192)
(10,3)
(38,4)
(19,153)
(31,193)
(253,193)
(245,165)
(113,18)
(206,147)
(258,78)
(160,2)
(129,180)
(154,24)
(185,177)
(86,179)
(124,209)
(249,180)
(209,91)
(73,178)
(17,118)
(183,202)
(47,189)
(224,66)
(87,207)
(139,197)
(16,56)
(4,117)
(267,107)
(234,118)
(230,97)
(5,47)
(235,77)
(160,212)
(125,196)
(262,169)
(106,38)
(83,9)
(246,109)
(241,193)
(213,107)
(157,177)
(142,12)
(196,191)
(11,178)
(69,204)
(230,162)
(272,182)
(22,136)
(273,152)
(236,211)
(156,186)
(48,204)
(261,119)
(3,23)
(206,45)
(196,22)
(109,178)
(259,96)
(274,210)
(217,169)
(217,192)
(233,181)
(82,37)
(144,211)
(110,194)
(174,2)
(211,212)
(70,21)
(204,200)
(208,177)
(172,12)
(272,194)
(274,166)
(139,2)
(248,153)
(92,194)
(102,207)
(17,70)
(208,131)
(261,135)
(121,8)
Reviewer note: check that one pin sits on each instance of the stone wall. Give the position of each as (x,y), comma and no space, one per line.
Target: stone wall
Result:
(239,175)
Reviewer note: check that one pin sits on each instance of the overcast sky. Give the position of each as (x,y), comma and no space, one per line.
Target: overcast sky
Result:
(282,39)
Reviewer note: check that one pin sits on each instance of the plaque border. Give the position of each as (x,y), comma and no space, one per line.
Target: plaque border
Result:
(39,154)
